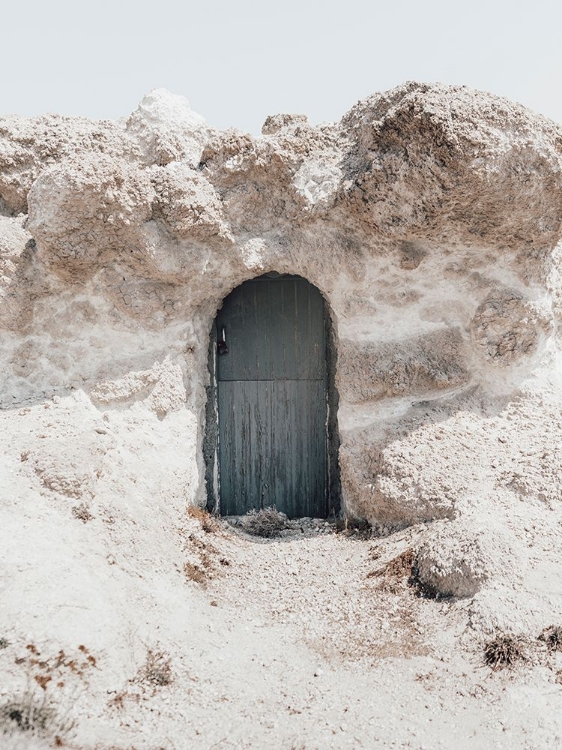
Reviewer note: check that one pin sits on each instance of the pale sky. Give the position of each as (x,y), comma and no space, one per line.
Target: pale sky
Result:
(239,60)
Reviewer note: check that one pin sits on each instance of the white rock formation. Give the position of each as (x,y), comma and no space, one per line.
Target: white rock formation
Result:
(430,217)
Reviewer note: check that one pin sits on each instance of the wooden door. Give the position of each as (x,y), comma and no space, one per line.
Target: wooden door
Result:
(271,394)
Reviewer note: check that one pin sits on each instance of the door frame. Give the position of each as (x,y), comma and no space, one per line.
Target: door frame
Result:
(211,431)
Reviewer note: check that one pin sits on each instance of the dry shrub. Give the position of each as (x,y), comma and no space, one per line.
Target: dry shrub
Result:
(505,650)
(194,572)
(396,571)
(37,711)
(400,566)
(267,522)
(55,669)
(33,716)
(202,546)
(208,522)
(157,669)
(207,566)
(552,636)
(118,700)
(4,643)
(82,513)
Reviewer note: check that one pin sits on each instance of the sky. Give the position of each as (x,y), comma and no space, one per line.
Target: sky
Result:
(238,61)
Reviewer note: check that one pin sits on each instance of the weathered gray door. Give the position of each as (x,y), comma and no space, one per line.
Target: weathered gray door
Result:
(271,383)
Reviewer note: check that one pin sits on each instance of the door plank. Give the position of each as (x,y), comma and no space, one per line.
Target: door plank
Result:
(271,390)
(274,330)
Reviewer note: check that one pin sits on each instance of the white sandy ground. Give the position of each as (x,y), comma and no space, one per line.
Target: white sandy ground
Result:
(287,643)
(304,648)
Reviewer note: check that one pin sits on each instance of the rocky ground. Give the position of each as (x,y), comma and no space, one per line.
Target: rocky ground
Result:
(317,638)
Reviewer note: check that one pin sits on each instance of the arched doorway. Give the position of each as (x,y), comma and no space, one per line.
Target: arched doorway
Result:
(274,401)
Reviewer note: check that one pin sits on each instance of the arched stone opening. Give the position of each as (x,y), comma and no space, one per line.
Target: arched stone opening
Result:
(271,435)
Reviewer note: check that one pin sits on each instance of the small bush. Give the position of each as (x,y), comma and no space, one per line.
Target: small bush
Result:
(4,643)
(505,650)
(552,636)
(267,522)
(157,669)
(82,513)
(25,715)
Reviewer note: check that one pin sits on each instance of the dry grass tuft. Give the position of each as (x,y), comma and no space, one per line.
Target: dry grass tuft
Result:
(505,650)
(37,712)
(82,513)
(396,572)
(400,566)
(267,522)
(206,561)
(201,546)
(552,636)
(208,522)
(118,700)
(197,573)
(157,669)
(27,714)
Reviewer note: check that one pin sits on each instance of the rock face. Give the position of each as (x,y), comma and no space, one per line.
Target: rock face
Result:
(430,219)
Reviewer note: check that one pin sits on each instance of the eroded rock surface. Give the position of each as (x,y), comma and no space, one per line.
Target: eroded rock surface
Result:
(430,218)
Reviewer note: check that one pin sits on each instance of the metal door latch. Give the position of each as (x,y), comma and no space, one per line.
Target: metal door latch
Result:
(222,348)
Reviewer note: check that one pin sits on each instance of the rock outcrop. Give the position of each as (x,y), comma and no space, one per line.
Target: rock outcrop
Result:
(430,218)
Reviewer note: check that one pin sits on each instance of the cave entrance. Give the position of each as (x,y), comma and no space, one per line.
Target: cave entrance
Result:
(273,402)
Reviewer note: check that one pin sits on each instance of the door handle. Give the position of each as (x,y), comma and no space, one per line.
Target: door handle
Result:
(222,348)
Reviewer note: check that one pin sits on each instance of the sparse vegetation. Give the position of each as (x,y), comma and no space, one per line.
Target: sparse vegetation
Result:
(205,557)
(552,636)
(4,643)
(267,522)
(208,522)
(82,513)
(505,650)
(34,716)
(156,672)
(396,572)
(202,546)
(197,573)
(157,669)
(400,566)
(37,711)
(45,669)
(118,701)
